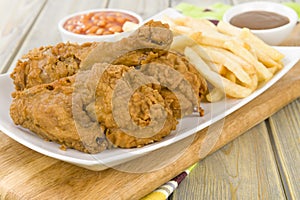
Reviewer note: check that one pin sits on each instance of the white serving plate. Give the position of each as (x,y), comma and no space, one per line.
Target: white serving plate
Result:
(110,158)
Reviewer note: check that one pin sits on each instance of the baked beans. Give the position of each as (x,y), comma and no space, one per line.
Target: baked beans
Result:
(98,23)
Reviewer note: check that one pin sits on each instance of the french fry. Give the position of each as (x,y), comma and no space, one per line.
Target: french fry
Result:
(234,90)
(216,67)
(189,25)
(234,46)
(210,39)
(268,61)
(262,72)
(228,29)
(215,95)
(260,45)
(230,76)
(220,58)
(180,42)
(203,68)
(182,30)
(200,25)
(247,36)
(233,60)
(254,84)
(230,88)
(273,70)
(246,66)
(196,24)
(253,52)
(202,53)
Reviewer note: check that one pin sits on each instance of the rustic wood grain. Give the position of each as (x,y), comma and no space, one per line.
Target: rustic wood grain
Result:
(285,126)
(285,136)
(14,27)
(243,169)
(144,8)
(29,175)
(294,38)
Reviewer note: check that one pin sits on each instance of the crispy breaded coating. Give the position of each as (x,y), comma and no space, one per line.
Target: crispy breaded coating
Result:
(177,86)
(50,63)
(72,110)
(61,112)
(130,106)
(152,35)
(88,97)
(47,64)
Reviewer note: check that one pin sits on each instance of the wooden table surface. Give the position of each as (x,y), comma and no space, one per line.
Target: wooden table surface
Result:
(263,163)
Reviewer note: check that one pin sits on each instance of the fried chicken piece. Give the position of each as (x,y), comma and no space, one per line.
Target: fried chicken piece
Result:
(183,90)
(68,111)
(62,112)
(152,35)
(47,64)
(190,85)
(155,85)
(86,106)
(130,106)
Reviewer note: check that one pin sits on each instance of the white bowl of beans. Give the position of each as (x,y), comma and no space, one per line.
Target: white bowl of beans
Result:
(96,25)
(270,21)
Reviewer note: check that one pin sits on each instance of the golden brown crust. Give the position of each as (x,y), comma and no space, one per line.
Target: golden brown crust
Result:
(64,95)
(193,78)
(188,78)
(47,110)
(50,63)
(142,125)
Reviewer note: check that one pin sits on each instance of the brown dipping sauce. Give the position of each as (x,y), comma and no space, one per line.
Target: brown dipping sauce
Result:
(258,20)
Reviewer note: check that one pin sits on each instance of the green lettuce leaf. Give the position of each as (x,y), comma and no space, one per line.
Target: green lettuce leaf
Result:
(294,6)
(215,11)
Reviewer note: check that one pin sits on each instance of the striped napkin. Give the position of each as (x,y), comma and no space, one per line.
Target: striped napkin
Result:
(164,191)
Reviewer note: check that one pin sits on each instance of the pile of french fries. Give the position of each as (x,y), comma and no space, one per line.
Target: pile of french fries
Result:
(233,60)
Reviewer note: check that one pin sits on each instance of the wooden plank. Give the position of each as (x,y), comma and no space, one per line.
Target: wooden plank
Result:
(294,38)
(54,10)
(17,17)
(48,178)
(25,168)
(144,8)
(244,169)
(285,126)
